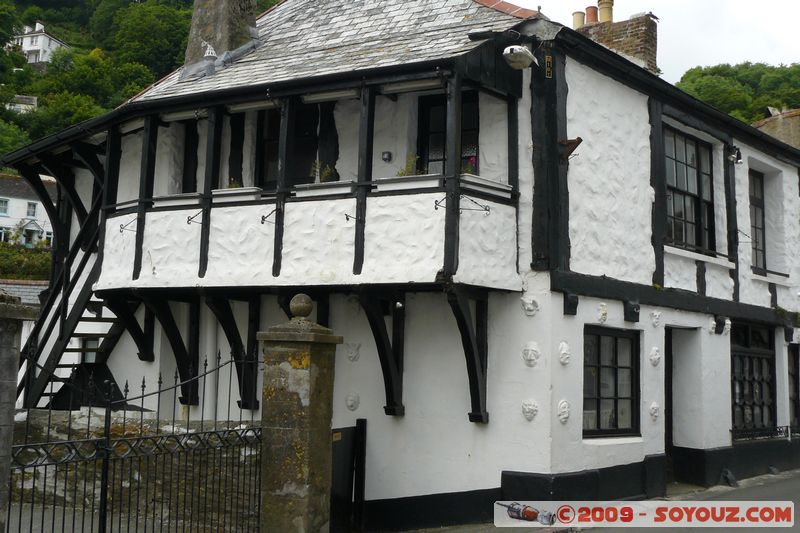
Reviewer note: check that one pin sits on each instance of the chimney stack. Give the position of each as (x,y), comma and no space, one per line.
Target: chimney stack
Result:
(224,25)
(606,10)
(591,15)
(578,20)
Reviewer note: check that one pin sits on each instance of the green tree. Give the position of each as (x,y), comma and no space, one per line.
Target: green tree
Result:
(151,34)
(102,25)
(57,112)
(8,21)
(11,137)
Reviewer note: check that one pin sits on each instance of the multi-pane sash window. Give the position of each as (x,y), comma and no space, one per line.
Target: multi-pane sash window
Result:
(610,382)
(3,206)
(757,221)
(690,192)
(752,379)
(433,134)
(794,386)
(32,209)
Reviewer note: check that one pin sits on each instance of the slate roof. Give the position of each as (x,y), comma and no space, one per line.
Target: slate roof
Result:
(16,187)
(311,38)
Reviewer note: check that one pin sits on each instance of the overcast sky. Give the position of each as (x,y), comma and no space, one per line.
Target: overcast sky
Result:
(704,32)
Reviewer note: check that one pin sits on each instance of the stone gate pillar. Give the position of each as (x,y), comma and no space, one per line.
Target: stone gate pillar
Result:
(12,313)
(296,423)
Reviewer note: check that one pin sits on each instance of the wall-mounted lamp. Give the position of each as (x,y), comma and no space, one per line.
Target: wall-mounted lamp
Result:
(386,157)
(519,57)
(735,155)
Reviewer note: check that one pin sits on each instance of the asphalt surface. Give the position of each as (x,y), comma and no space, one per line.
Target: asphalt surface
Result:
(780,487)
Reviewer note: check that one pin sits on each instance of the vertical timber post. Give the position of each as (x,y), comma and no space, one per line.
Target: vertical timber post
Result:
(296,423)
(11,316)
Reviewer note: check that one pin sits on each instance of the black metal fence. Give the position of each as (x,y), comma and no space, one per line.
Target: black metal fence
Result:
(101,459)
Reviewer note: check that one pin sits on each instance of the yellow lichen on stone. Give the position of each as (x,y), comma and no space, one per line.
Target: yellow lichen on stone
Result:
(300,361)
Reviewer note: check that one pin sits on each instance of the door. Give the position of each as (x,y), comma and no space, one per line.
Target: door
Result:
(668,445)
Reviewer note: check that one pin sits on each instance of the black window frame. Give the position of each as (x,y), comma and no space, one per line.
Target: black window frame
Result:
(758,221)
(634,337)
(750,371)
(303,147)
(702,206)
(470,109)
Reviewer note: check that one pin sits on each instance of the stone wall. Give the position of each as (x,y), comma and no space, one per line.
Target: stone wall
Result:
(26,290)
(785,126)
(636,39)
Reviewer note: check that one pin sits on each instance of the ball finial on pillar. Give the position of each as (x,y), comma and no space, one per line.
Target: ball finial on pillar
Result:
(301,306)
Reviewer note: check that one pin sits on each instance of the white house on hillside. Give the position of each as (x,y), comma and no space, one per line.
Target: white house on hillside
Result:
(22,212)
(555,279)
(36,44)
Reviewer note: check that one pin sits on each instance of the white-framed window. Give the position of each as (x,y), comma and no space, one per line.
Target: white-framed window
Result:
(3,206)
(5,234)
(34,40)
(32,209)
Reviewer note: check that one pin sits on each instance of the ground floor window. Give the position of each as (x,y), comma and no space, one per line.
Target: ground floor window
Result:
(752,380)
(610,382)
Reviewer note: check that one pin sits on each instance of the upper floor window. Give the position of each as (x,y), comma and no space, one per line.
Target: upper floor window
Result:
(433,133)
(757,221)
(610,382)
(753,380)
(690,192)
(34,40)
(3,206)
(32,209)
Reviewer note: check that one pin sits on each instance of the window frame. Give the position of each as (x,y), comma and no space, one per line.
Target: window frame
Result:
(28,209)
(755,231)
(424,132)
(703,208)
(635,338)
(4,205)
(750,352)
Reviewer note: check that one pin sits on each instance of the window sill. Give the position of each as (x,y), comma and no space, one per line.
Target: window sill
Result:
(323,189)
(688,254)
(771,278)
(609,440)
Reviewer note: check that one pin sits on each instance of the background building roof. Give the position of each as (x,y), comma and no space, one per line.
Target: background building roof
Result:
(16,187)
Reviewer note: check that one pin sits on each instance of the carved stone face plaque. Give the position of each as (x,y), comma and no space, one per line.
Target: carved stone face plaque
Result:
(727,329)
(352,401)
(602,313)
(529,306)
(563,411)
(530,409)
(353,350)
(564,353)
(655,356)
(655,318)
(654,410)
(712,326)
(531,354)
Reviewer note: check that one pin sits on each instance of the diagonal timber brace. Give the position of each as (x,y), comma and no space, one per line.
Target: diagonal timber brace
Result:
(474,338)
(126,315)
(390,352)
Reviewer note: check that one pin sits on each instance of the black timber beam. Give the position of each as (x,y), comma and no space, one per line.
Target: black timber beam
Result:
(658,181)
(110,184)
(474,339)
(60,233)
(452,177)
(729,173)
(126,315)
(146,182)
(244,368)
(285,138)
(187,363)
(390,352)
(213,154)
(366,137)
(66,179)
(87,154)
(513,143)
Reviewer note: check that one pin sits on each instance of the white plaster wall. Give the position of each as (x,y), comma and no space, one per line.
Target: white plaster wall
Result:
(319,242)
(434,448)
(680,273)
(202,132)
(347,114)
(488,248)
(782,232)
(171,249)
(84,185)
(719,283)
(525,211)
(169,161)
(249,149)
(403,239)
(118,253)
(130,167)
(609,179)
(240,247)
(782,378)
(395,131)
(493,137)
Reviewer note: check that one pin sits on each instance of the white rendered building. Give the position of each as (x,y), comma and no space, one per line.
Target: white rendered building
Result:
(569,281)
(36,44)
(22,214)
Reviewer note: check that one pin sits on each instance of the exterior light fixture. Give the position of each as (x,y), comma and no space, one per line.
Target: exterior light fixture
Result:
(519,57)
(330,96)
(735,155)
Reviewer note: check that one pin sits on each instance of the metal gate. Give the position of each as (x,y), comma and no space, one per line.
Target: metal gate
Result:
(103,459)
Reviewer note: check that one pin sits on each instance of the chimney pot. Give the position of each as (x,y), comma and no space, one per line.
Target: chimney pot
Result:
(591,15)
(606,8)
(578,20)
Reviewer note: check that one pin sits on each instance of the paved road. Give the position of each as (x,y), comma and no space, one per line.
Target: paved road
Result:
(781,487)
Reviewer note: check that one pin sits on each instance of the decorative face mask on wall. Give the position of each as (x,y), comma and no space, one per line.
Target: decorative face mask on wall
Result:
(531,354)
(529,305)
(655,318)
(353,350)
(655,356)
(602,313)
(530,409)
(563,411)
(564,353)
(352,401)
